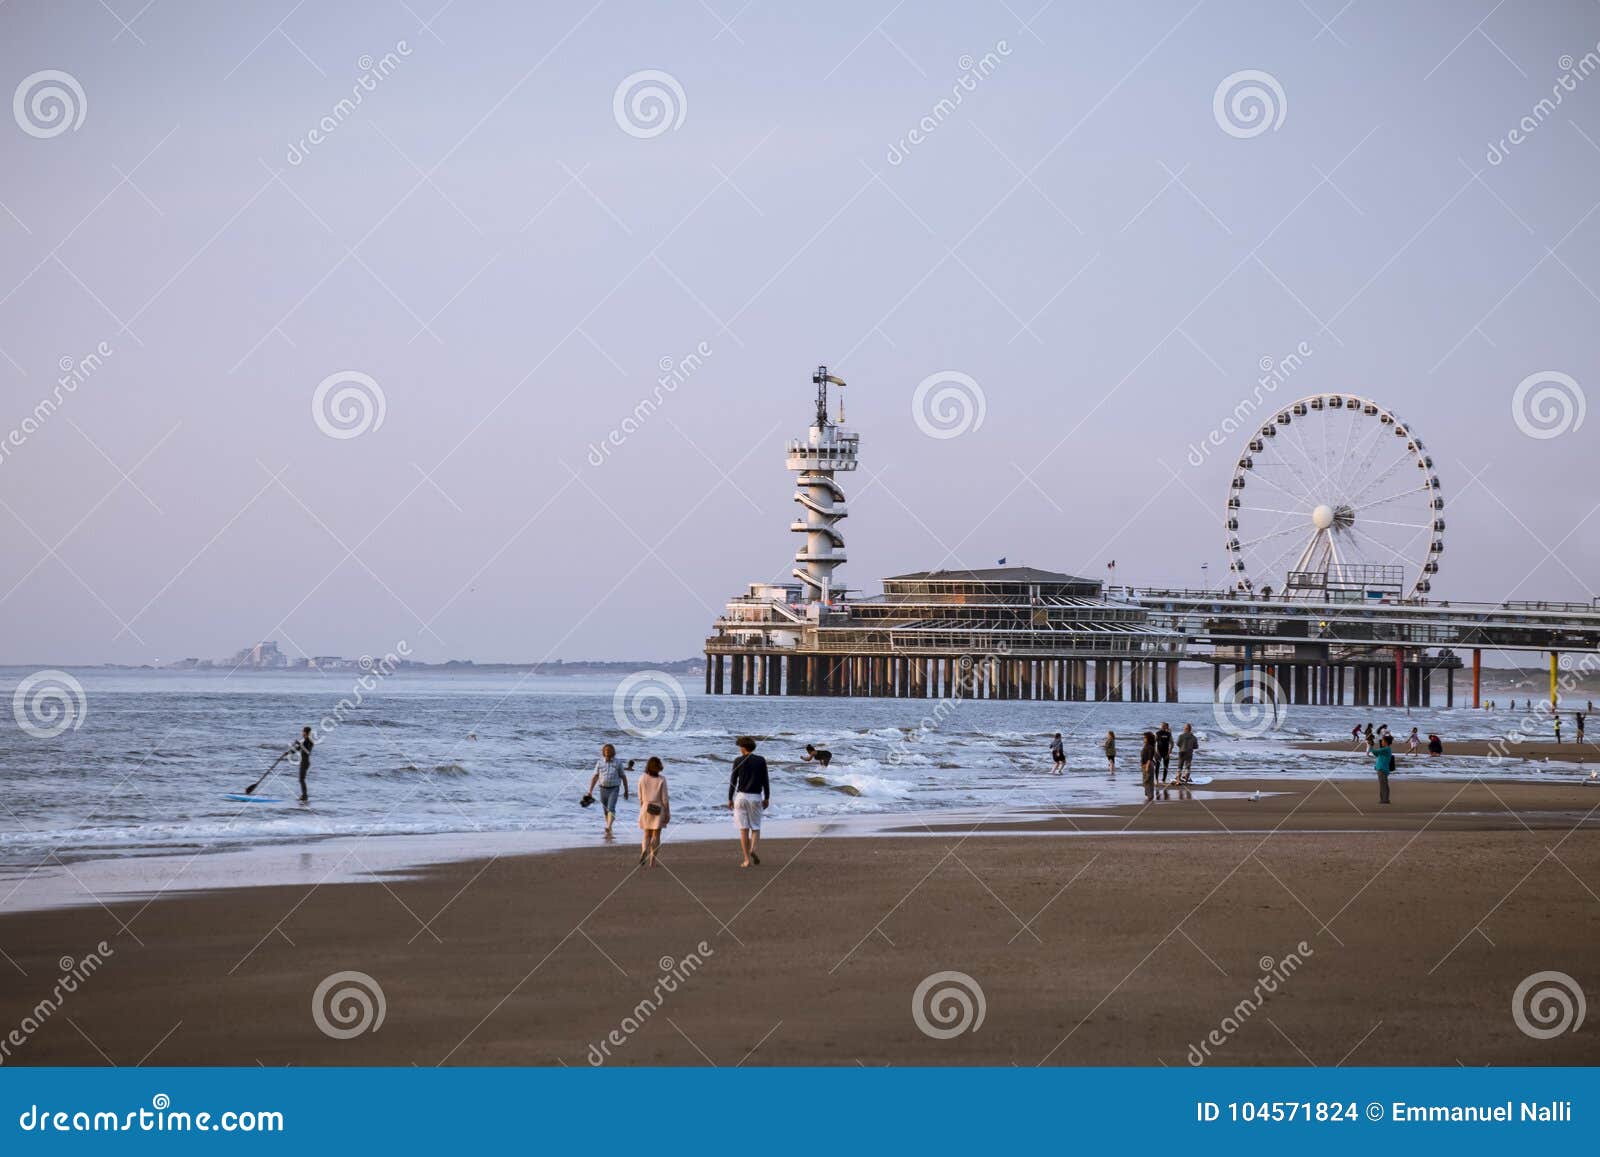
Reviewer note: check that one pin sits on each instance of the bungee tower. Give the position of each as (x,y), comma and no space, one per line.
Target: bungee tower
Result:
(827,449)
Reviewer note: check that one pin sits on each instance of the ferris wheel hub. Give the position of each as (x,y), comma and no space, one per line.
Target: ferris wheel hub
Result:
(1322,517)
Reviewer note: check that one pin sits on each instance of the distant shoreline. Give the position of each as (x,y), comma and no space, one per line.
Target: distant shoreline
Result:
(450,666)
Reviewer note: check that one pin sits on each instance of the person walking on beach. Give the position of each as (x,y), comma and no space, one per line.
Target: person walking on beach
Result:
(749,793)
(1383,764)
(815,754)
(1147,765)
(1187,742)
(1556,715)
(1369,733)
(302,747)
(655,811)
(1578,720)
(1111,752)
(1058,755)
(1164,749)
(1412,741)
(612,778)
(1355,736)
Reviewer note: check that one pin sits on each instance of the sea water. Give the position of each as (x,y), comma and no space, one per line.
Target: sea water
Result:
(153,753)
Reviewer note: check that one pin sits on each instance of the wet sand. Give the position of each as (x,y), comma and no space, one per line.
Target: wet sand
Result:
(1122,937)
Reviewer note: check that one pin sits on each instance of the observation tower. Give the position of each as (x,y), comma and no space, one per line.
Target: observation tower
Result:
(826,449)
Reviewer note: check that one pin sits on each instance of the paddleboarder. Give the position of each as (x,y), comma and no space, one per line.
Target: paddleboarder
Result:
(302,747)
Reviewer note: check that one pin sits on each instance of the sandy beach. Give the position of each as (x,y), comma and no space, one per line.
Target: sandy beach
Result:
(1124,937)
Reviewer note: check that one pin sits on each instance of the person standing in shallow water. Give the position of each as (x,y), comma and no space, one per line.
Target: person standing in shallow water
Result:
(1187,742)
(302,747)
(655,811)
(1111,752)
(612,779)
(1164,749)
(1147,765)
(1058,755)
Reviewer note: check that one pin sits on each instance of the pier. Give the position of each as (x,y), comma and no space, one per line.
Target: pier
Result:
(1338,631)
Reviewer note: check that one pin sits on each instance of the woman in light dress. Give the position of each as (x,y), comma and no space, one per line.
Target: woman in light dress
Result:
(655,811)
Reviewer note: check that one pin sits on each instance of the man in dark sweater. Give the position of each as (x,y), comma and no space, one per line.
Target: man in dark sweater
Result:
(302,747)
(749,793)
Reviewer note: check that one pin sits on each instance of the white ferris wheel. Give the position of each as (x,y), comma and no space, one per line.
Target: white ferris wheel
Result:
(1334,497)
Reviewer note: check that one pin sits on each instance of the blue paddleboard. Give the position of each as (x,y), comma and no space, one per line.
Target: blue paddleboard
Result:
(252,798)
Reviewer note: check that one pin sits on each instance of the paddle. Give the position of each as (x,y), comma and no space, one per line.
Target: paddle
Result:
(252,788)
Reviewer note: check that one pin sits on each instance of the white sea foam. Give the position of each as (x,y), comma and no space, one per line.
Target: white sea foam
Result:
(148,769)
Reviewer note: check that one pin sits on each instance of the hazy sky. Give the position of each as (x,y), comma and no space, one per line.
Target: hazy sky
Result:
(483,238)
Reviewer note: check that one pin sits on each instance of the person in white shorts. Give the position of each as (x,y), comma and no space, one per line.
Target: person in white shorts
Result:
(749,793)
